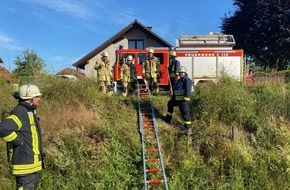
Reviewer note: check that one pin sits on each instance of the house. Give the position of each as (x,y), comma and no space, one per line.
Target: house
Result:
(5,74)
(133,36)
(69,73)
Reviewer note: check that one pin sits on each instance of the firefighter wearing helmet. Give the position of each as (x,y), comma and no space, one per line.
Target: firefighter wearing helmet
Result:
(173,67)
(151,70)
(133,76)
(22,133)
(126,75)
(104,73)
(181,97)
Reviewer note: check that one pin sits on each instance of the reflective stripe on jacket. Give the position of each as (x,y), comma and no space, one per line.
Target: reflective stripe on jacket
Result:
(150,67)
(104,70)
(22,133)
(125,73)
(182,89)
(173,67)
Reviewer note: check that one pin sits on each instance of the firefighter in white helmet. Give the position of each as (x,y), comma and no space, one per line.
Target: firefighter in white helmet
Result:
(22,133)
(151,70)
(173,67)
(126,75)
(104,73)
(133,76)
(181,97)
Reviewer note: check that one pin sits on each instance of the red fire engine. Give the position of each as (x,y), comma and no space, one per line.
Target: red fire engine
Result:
(206,57)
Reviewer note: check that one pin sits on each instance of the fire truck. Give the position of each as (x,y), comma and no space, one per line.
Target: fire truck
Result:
(206,58)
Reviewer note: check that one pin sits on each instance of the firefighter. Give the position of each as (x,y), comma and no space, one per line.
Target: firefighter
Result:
(133,76)
(151,70)
(181,97)
(105,73)
(22,133)
(125,75)
(173,67)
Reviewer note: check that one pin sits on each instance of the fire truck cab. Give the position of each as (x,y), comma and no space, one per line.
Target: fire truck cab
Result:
(139,57)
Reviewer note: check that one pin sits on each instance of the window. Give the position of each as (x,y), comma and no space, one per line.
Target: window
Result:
(159,56)
(136,44)
(141,57)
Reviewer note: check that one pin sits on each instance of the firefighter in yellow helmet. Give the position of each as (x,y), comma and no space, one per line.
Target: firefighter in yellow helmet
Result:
(105,73)
(126,75)
(22,133)
(151,70)
(181,97)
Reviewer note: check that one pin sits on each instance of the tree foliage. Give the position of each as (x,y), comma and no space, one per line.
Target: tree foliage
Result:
(262,29)
(29,64)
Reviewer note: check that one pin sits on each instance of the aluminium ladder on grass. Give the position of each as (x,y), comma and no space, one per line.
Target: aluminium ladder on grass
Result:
(154,172)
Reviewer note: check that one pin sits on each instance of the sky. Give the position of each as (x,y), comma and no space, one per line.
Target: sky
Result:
(63,31)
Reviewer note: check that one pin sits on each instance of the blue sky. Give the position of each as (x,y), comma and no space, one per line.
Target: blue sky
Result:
(63,31)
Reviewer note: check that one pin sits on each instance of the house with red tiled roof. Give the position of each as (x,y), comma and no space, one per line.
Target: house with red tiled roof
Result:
(71,74)
(5,74)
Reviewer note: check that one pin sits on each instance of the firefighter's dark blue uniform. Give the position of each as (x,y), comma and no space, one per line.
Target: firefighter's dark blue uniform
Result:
(172,69)
(181,97)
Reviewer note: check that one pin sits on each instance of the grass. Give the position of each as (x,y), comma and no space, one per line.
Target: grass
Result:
(92,141)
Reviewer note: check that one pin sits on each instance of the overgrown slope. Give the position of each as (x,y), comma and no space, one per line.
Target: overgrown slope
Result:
(240,138)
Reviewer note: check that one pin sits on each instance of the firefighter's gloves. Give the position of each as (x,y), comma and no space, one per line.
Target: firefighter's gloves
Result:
(186,98)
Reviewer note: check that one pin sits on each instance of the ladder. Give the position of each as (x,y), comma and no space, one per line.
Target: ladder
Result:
(154,172)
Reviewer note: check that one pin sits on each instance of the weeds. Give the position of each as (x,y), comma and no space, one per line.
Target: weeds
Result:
(92,141)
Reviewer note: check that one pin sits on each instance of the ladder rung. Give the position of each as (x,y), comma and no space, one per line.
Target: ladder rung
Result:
(153,160)
(147,120)
(148,127)
(155,181)
(151,150)
(151,170)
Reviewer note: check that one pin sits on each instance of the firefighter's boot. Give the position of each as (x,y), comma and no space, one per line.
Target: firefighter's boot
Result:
(168,118)
(155,88)
(187,126)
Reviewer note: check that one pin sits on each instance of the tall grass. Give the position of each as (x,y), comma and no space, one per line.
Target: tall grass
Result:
(92,141)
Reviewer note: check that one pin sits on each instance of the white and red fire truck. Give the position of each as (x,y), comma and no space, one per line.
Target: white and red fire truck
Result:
(206,58)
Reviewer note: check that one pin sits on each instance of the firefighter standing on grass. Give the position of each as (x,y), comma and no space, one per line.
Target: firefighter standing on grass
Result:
(22,133)
(173,67)
(133,76)
(181,96)
(151,70)
(104,73)
(125,75)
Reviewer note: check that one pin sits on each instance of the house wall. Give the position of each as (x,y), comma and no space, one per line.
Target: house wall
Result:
(89,68)
(135,34)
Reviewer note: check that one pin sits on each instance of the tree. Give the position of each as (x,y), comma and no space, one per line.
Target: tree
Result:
(29,64)
(262,29)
